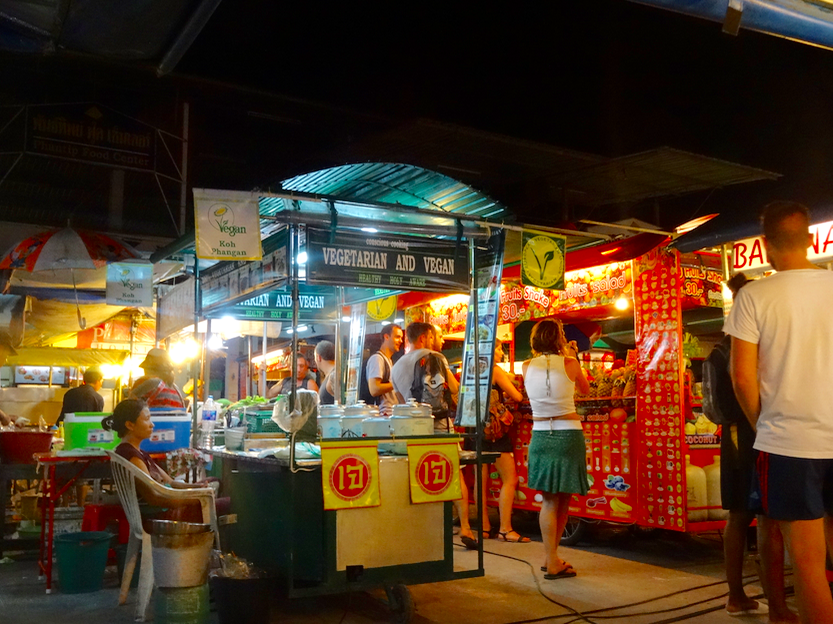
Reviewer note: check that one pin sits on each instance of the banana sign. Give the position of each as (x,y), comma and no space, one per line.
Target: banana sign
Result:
(542,260)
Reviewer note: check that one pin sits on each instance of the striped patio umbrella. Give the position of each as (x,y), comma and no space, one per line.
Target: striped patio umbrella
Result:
(66,249)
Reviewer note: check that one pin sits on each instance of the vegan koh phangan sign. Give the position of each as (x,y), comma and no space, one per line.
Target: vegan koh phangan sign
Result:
(379,261)
(130,284)
(228,225)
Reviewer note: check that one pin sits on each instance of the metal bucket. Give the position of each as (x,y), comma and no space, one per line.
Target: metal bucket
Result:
(181,553)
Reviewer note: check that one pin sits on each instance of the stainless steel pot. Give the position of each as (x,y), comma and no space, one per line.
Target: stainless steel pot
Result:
(378,427)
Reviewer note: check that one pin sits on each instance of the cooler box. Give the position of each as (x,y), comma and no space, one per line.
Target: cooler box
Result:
(171,431)
(84,430)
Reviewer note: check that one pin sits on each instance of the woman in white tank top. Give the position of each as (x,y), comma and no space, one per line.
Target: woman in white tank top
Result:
(556,452)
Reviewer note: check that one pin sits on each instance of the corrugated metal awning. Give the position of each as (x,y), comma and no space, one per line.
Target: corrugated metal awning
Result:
(401,184)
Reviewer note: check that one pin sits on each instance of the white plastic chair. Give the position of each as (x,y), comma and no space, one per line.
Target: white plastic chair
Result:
(125,475)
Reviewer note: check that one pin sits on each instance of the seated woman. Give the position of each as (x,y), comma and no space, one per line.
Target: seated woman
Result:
(131,420)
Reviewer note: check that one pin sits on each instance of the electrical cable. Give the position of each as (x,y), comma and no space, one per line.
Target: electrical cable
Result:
(583,616)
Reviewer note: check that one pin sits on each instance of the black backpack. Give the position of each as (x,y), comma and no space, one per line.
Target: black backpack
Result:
(719,402)
(430,384)
(364,387)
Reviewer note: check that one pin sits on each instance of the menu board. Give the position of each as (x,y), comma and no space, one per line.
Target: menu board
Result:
(477,367)
(660,375)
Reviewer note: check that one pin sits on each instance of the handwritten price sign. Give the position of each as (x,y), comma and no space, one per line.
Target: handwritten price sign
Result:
(434,470)
(350,474)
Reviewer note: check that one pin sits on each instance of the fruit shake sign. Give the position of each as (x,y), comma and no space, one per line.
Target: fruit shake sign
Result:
(130,284)
(228,225)
(376,261)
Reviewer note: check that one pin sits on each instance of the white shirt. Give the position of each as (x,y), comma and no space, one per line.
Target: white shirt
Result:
(376,366)
(789,315)
(557,400)
(402,374)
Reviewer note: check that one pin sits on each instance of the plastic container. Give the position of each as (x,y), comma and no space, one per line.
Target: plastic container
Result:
(713,490)
(84,430)
(329,420)
(17,447)
(696,492)
(82,558)
(171,431)
(241,601)
(234,438)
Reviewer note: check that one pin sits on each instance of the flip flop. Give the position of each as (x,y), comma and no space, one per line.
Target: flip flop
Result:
(564,573)
(761,609)
(502,536)
(566,565)
(469,542)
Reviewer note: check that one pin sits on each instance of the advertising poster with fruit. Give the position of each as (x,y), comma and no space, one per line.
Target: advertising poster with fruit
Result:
(702,287)
(588,288)
(660,377)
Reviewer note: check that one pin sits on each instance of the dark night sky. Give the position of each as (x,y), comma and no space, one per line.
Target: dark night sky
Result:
(609,77)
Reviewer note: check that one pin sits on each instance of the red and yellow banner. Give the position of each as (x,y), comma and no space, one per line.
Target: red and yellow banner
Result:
(350,474)
(434,468)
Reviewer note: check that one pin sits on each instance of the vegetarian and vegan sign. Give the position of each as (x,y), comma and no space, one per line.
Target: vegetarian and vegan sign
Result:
(315,303)
(379,261)
(130,284)
(228,225)
(350,474)
(542,260)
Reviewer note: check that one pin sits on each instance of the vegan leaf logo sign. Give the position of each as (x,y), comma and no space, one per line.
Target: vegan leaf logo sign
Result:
(543,262)
(221,217)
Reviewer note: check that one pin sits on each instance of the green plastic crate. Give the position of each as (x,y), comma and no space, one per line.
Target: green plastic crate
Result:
(261,422)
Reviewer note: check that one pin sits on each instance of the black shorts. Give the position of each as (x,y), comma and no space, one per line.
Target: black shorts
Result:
(792,488)
(737,467)
(503,445)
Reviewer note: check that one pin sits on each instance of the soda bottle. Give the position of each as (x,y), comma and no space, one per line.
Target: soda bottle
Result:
(209,421)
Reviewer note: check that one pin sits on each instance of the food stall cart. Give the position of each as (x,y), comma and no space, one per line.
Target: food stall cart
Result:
(299,526)
(643,416)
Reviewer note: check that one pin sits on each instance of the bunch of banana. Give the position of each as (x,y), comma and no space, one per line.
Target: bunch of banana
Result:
(617,505)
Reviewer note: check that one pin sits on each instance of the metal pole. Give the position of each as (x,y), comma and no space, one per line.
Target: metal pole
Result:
(478,427)
(263,364)
(183,187)
(294,250)
(337,378)
(195,365)
(249,371)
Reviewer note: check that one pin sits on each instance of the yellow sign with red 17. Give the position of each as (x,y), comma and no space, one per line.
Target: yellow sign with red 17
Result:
(434,468)
(350,474)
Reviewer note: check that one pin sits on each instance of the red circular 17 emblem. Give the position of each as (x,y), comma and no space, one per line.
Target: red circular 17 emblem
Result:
(433,473)
(350,477)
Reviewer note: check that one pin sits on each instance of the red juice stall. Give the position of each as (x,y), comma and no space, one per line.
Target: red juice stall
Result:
(641,415)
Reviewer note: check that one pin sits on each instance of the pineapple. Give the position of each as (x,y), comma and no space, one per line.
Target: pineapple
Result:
(630,385)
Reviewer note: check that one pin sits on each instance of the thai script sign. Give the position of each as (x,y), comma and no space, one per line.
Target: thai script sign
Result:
(350,474)
(228,225)
(90,133)
(378,261)
(434,469)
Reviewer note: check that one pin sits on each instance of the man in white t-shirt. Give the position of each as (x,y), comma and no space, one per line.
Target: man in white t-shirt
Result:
(379,368)
(782,346)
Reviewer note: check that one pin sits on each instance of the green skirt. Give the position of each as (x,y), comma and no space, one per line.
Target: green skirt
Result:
(556,462)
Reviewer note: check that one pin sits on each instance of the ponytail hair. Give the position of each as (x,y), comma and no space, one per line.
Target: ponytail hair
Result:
(127,411)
